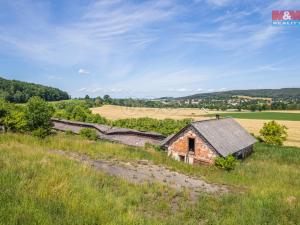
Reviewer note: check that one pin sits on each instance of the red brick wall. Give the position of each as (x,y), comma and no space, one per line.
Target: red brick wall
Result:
(203,152)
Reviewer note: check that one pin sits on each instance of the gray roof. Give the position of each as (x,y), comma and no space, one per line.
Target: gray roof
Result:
(109,130)
(226,135)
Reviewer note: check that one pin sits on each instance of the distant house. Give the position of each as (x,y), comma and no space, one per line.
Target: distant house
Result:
(202,141)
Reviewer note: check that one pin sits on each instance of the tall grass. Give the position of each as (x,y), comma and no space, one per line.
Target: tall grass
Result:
(41,188)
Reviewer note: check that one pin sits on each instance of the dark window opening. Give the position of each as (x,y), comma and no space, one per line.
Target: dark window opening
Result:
(191,144)
(181,158)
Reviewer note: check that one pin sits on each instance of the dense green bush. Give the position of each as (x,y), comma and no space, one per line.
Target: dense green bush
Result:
(165,127)
(273,133)
(69,132)
(15,121)
(227,163)
(34,117)
(78,111)
(40,132)
(38,115)
(88,133)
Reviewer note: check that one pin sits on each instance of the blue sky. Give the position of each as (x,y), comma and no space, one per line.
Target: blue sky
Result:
(148,48)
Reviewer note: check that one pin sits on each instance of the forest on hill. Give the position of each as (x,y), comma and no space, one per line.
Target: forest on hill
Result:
(19,91)
(283,93)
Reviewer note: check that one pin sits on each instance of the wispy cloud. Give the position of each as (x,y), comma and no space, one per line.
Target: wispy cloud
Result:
(104,28)
(83,72)
(215,2)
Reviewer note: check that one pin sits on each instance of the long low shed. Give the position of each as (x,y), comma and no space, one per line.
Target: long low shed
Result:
(115,134)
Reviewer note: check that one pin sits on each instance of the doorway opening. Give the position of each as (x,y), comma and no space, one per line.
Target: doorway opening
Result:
(181,158)
(191,145)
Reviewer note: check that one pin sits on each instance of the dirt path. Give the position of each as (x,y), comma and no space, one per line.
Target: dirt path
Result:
(144,171)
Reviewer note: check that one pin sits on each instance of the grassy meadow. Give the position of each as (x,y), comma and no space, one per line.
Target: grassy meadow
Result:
(251,121)
(261,115)
(37,187)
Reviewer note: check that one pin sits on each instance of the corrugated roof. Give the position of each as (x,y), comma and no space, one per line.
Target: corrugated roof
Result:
(226,135)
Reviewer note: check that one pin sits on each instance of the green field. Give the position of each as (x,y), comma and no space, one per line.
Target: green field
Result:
(37,187)
(262,115)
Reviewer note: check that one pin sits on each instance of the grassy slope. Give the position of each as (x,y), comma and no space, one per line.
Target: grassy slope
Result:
(40,188)
(263,115)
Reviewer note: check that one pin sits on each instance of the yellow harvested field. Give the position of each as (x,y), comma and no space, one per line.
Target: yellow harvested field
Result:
(285,111)
(120,112)
(253,126)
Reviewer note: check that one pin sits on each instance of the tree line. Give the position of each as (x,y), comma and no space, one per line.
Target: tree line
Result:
(213,104)
(20,92)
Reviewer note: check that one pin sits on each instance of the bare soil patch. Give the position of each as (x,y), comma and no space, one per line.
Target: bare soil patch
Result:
(145,171)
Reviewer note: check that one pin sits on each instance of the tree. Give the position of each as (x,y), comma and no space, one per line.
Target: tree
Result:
(15,121)
(3,110)
(107,99)
(38,115)
(98,101)
(273,133)
(79,113)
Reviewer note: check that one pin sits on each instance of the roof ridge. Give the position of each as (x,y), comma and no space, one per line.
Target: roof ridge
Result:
(213,119)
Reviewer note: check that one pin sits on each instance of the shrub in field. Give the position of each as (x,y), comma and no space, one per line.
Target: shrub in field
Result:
(38,115)
(3,110)
(227,163)
(152,146)
(15,121)
(88,133)
(273,133)
(40,133)
(69,132)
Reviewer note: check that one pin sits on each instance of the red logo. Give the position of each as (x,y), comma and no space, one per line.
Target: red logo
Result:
(286,15)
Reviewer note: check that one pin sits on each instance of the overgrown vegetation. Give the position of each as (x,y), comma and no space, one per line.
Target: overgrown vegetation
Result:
(227,163)
(79,111)
(21,92)
(89,133)
(33,117)
(40,188)
(273,133)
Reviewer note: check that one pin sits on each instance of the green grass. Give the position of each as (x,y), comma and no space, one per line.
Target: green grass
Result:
(41,188)
(261,115)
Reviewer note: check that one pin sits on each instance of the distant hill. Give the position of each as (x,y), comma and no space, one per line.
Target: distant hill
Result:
(20,92)
(283,93)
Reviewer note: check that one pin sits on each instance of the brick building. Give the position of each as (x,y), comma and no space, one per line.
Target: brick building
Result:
(202,141)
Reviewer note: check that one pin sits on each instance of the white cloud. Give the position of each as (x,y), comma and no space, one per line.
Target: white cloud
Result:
(52,77)
(83,72)
(182,90)
(199,90)
(218,3)
(285,5)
